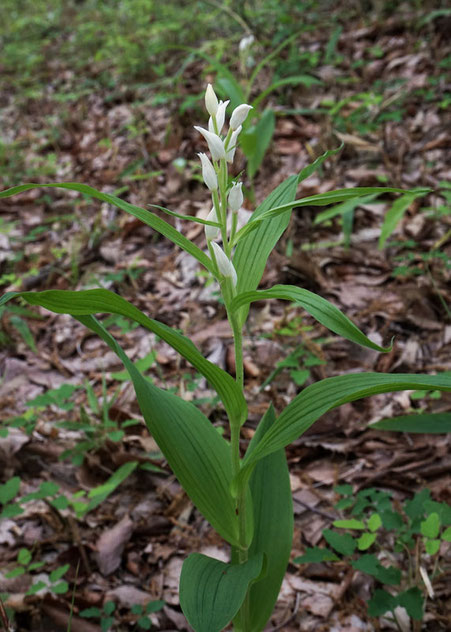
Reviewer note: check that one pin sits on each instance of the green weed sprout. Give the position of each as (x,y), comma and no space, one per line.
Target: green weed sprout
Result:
(420,532)
(246,499)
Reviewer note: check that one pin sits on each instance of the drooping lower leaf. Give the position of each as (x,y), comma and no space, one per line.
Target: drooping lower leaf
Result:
(273,526)
(212,592)
(197,454)
(103,301)
(324,312)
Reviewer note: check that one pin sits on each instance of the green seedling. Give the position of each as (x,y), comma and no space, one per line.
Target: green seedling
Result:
(105,615)
(407,570)
(26,565)
(236,493)
(142,612)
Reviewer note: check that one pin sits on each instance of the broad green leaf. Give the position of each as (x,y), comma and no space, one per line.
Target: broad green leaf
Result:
(145,216)
(9,490)
(430,423)
(199,457)
(342,542)
(271,497)
(446,535)
(87,302)
(352,523)
(255,140)
(315,555)
(318,398)
(211,592)
(323,311)
(395,213)
(370,564)
(431,526)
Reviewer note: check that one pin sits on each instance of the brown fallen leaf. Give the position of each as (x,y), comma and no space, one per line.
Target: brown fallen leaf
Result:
(110,546)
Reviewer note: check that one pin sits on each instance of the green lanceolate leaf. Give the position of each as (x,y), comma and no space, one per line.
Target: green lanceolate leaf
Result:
(431,423)
(212,592)
(273,526)
(395,213)
(199,457)
(318,398)
(285,195)
(103,301)
(324,312)
(145,216)
(253,250)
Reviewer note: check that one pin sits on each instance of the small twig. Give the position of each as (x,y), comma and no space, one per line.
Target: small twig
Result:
(4,617)
(290,617)
(314,510)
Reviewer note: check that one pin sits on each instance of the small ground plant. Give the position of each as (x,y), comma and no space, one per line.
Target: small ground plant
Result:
(401,547)
(238,494)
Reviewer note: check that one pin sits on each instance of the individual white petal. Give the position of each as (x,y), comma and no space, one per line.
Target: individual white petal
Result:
(239,115)
(211,100)
(233,144)
(225,266)
(208,172)
(220,115)
(236,198)
(212,232)
(211,128)
(215,144)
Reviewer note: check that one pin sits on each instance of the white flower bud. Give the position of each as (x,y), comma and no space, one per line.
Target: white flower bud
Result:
(239,115)
(236,197)
(211,100)
(225,266)
(232,144)
(212,232)
(220,118)
(208,172)
(215,144)
(245,43)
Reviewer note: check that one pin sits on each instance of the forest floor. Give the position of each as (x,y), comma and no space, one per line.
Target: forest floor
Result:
(69,419)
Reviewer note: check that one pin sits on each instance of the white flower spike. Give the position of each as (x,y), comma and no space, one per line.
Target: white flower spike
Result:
(232,144)
(215,144)
(236,198)
(212,232)
(208,172)
(220,117)
(211,100)
(239,115)
(225,266)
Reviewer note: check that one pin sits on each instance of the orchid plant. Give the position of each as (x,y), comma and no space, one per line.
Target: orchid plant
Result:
(246,498)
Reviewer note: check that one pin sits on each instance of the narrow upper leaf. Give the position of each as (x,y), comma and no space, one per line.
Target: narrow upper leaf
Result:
(430,423)
(103,301)
(145,216)
(324,312)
